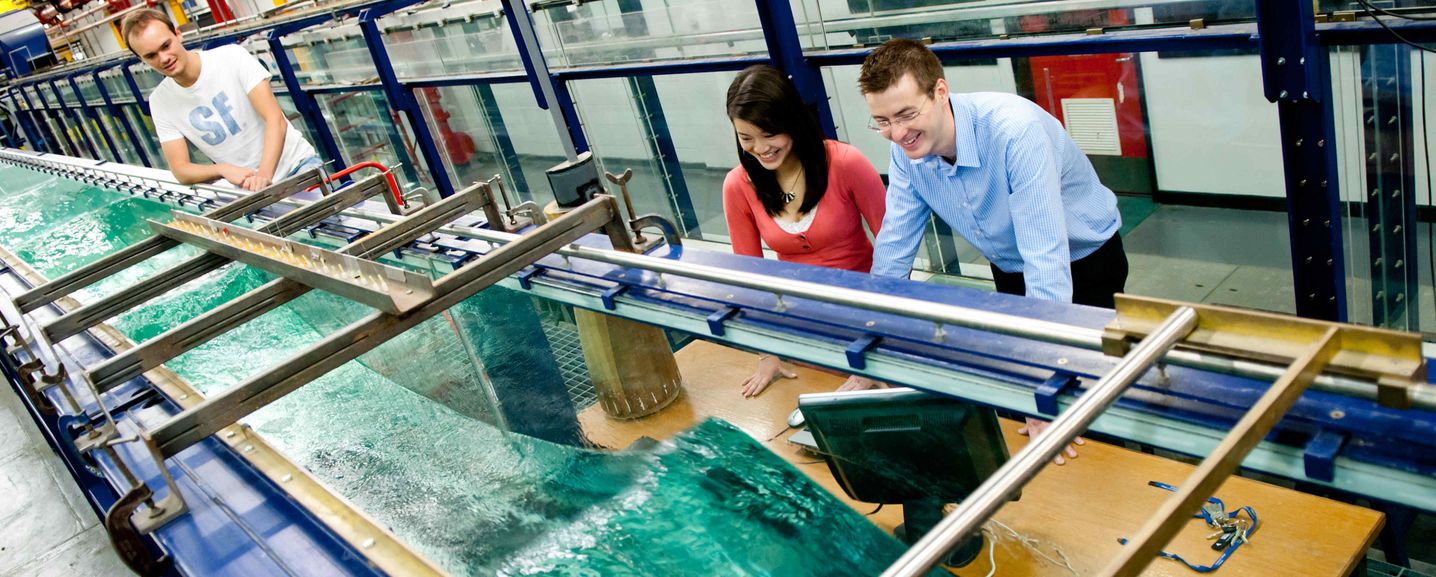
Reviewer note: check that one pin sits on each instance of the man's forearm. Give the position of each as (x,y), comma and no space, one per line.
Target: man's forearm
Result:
(274,132)
(191,173)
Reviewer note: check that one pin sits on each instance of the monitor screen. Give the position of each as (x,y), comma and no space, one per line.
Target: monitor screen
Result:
(900,445)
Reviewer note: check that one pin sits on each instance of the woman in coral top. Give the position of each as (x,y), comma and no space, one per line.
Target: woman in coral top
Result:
(804,196)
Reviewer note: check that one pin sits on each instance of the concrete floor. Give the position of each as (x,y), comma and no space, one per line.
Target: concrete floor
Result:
(46,527)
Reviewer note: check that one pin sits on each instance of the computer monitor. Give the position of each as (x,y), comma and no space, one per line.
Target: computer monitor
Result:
(901,446)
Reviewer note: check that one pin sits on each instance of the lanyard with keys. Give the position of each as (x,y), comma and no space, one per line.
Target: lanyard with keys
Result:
(1232,530)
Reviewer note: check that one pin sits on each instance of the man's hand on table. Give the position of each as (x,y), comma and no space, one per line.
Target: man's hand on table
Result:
(1035,427)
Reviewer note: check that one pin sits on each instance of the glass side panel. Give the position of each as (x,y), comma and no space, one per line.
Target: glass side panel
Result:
(614,31)
(286,103)
(145,130)
(465,38)
(367,132)
(471,135)
(1384,155)
(330,56)
(615,124)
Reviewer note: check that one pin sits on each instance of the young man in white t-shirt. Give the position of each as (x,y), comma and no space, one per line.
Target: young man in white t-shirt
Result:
(220,101)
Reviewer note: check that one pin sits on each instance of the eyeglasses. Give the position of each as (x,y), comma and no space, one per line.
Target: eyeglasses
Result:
(898,121)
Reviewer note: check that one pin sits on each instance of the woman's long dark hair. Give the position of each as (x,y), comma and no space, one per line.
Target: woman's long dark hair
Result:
(766,98)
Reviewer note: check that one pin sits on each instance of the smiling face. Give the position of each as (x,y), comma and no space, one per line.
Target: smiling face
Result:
(160,48)
(771,150)
(916,120)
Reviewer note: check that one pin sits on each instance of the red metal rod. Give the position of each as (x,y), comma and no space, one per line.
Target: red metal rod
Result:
(393,184)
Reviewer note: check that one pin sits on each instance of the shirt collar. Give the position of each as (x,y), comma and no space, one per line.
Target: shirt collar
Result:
(964,138)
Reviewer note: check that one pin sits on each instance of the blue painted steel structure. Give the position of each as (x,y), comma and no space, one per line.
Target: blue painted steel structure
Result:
(401,98)
(303,101)
(120,117)
(77,122)
(94,118)
(1296,77)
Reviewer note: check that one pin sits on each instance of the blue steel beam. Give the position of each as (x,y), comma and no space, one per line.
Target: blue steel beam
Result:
(120,117)
(1229,37)
(75,118)
(26,119)
(135,89)
(401,99)
(48,143)
(780,31)
(95,118)
(545,85)
(58,124)
(696,66)
(304,101)
(1296,76)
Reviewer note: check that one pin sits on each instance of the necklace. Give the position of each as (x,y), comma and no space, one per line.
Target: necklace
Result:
(788,195)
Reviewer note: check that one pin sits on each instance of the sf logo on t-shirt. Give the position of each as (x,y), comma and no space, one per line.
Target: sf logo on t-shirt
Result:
(201,118)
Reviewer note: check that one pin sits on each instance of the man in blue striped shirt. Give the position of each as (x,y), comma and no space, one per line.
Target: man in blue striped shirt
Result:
(1001,172)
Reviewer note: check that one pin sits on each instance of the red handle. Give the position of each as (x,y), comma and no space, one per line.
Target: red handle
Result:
(393,185)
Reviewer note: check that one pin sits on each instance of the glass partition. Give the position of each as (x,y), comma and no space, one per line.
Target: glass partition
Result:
(616,31)
(466,38)
(1382,133)
(366,131)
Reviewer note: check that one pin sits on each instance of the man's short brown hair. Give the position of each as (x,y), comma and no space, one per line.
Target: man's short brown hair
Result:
(139,19)
(896,58)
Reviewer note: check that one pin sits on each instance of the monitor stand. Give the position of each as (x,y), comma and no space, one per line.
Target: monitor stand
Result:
(920,516)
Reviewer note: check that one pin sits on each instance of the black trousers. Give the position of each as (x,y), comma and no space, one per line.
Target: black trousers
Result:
(1096,278)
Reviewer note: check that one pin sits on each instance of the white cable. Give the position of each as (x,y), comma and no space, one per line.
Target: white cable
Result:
(992,555)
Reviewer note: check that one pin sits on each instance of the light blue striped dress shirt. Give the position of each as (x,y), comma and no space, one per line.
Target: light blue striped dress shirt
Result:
(1021,192)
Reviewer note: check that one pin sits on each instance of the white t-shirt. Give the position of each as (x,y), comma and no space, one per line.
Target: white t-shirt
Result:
(215,114)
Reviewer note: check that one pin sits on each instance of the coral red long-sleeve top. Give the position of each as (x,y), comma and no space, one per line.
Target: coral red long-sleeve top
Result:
(835,238)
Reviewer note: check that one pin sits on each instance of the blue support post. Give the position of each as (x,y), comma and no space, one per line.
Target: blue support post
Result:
(122,119)
(135,88)
(304,102)
(401,99)
(58,124)
(95,118)
(47,142)
(77,120)
(780,31)
(25,119)
(550,92)
(1296,76)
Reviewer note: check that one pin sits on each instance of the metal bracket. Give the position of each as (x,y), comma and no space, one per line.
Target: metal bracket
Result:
(526,278)
(716,320)
(609,294)
(1320,454)
(137,514)
(1048,392)
(1392,359)
(857,350)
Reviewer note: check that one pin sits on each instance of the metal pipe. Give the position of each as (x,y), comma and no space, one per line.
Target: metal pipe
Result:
(1422,396)
(998,489)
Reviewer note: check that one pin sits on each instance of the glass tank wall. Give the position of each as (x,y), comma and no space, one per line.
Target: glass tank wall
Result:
(1185,136)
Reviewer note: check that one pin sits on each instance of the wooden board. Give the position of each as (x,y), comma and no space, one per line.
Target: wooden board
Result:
(1081,508)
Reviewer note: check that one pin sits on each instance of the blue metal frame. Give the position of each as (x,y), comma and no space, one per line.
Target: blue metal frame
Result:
(56,114)
(400,98)
(304,101)
(533,61)
(48,142)
(79,123)
(95,118)
(660,145)
(1296,76)
(135,89)
(25,118)
(784,47)
(120,117)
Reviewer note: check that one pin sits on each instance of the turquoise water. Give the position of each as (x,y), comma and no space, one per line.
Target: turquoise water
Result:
(417,432)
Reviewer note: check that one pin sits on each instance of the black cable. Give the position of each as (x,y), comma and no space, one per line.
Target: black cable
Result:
(1430,192)
(1388,29)
(874,511)
(1370,9)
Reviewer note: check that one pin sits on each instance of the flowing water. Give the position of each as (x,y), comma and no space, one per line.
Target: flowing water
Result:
(418,433)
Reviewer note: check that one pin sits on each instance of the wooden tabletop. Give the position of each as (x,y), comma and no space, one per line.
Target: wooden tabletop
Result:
(1081,508)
